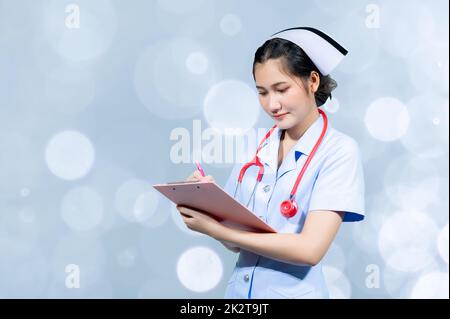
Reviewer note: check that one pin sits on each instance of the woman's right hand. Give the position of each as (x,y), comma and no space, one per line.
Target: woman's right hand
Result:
(197,177)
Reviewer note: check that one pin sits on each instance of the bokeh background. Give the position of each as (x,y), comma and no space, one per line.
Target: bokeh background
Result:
(92,91)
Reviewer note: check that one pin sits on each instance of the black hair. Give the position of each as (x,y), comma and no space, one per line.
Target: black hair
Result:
(297,63)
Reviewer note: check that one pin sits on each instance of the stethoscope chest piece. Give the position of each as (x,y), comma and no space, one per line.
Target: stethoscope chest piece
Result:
(289,208)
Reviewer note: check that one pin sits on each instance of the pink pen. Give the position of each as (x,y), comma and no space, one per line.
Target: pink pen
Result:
(200,169)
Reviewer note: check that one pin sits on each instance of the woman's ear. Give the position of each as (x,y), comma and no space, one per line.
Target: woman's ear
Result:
(314,81)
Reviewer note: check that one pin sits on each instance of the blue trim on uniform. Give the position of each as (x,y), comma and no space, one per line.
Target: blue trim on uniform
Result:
(352,217)
(249,295)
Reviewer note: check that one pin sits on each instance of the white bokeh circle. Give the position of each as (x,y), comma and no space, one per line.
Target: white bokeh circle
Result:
(199,269)
(25,192)
(136,200)
(413,29)
(197,62)
(69,155)
(171,78)
(433,285)
(387,119)
(442,243)
(406,241)
(80,39)
(231,104)
(145,206)
(332,105)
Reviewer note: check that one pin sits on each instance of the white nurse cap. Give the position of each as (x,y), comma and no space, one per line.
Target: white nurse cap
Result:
(323,51)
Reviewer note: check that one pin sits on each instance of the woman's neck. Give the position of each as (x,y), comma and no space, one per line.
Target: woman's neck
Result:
(296,132)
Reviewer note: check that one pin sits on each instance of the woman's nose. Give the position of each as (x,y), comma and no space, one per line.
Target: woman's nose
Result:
(274,104)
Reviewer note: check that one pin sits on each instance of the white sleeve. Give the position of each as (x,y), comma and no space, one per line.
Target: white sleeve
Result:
(339,185)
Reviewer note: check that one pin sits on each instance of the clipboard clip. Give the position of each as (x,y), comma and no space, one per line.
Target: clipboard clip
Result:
(183,182)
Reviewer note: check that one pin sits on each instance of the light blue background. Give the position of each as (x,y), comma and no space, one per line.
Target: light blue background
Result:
(121,81)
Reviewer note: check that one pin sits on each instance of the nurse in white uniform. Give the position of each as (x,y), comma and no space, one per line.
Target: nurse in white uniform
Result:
(304,181)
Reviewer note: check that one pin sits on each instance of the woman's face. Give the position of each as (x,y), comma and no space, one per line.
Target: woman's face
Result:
(284,94)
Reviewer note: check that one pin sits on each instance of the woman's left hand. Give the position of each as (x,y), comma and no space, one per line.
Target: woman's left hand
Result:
(200,222)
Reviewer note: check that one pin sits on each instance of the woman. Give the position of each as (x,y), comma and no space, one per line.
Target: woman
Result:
(305,206)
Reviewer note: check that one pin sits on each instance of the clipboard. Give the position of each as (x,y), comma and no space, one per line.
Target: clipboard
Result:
(210,198)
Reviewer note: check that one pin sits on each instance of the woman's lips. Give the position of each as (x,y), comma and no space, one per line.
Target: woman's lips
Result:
(279,116)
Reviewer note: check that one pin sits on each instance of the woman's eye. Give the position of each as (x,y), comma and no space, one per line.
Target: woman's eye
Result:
(283,90)
(262,93)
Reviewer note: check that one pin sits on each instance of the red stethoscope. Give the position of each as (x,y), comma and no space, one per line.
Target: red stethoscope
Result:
(289,207)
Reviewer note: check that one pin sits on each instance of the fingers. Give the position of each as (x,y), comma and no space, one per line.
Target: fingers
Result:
(198,177)
(208,178)
(187,212)
(183,211)
(195,177)
(186,221)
